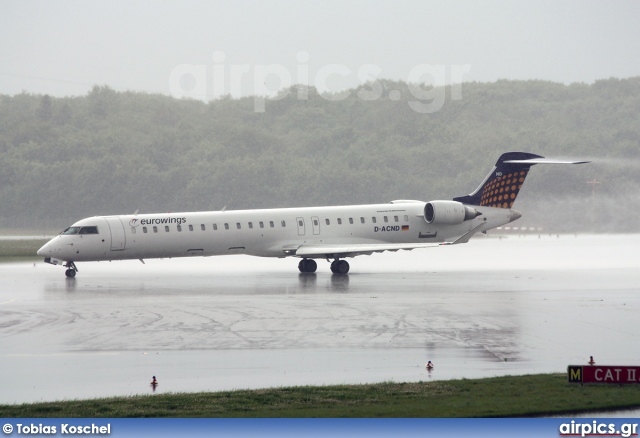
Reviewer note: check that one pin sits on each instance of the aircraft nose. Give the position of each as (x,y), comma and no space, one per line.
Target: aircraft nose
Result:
(45,250)
(514,215)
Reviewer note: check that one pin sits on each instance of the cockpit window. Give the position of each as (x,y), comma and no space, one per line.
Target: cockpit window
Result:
(81,230)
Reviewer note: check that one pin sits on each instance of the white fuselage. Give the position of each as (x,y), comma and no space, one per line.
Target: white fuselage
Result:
(265,233)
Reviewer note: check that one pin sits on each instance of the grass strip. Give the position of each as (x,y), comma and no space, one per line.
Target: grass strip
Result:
(510,396)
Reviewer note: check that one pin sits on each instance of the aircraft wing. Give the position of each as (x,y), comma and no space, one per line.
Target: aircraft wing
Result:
(332,251)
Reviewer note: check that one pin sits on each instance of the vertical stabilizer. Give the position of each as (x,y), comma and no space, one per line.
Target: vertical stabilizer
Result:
(501,187)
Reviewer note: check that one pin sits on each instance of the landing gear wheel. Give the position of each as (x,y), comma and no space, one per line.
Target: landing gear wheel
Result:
(311,266)
(71,269)
(307,266)
(340,267)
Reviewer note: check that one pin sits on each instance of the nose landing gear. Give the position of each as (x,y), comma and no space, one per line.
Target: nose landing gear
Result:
(71,269)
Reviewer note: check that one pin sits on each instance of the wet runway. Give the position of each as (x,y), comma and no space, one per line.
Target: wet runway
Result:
(488,308)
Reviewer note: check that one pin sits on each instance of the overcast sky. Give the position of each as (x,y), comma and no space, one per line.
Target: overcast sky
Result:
(204,49)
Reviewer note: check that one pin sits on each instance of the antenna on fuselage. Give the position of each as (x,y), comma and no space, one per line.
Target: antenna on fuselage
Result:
(224,208)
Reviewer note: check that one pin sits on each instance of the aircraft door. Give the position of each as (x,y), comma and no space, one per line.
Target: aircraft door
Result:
(300,222)
(118,238)
(316,225)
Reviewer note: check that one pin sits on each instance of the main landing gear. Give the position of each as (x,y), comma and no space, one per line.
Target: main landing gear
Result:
(337,266)
(307,266)
(71,269)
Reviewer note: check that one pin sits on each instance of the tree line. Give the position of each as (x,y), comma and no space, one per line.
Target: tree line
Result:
(108,152)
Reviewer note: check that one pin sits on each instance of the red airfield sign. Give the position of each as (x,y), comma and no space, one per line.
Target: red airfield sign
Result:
(618,375)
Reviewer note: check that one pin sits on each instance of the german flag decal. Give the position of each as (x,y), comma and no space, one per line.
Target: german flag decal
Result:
(405,228)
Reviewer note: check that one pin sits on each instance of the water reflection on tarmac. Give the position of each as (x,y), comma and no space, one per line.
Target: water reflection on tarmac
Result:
(489,308)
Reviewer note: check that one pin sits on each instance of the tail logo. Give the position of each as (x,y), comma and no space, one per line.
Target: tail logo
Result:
(501,191)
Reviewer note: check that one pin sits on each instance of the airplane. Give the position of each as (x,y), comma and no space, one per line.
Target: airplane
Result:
(332,233)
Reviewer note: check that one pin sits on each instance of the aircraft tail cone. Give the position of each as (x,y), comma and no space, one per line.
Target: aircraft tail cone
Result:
(514,215)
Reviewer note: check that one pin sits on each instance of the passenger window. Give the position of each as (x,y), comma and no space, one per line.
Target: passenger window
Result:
(386,219)
(300,223)
(250,224)
(406,218)
(144,230)
(326,221)
(261,224)
(155,229)
(373,219)
(166,228)
(351,220)
(238,225)
(395,218)
(362,220)
(284,224)
(202,227)
(315,222)
(339,221)
(215,227)
(190,227)
(179,228)
(271,224)
(226,226)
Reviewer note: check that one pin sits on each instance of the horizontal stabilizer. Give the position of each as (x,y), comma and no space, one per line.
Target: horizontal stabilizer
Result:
(544,161)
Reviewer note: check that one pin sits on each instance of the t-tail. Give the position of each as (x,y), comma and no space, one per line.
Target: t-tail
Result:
(501,187)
